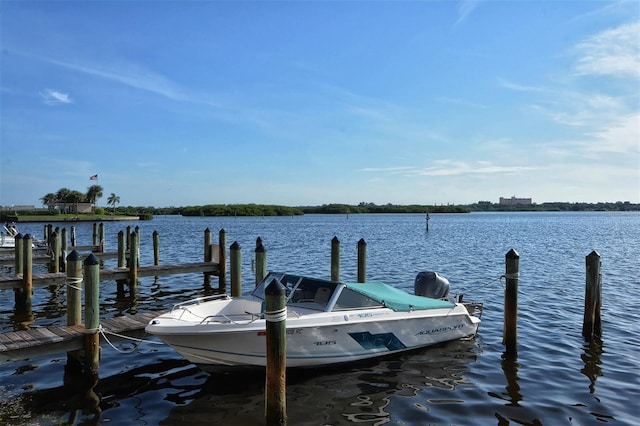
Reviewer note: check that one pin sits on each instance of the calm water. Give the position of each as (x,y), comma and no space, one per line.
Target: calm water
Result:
(556,379)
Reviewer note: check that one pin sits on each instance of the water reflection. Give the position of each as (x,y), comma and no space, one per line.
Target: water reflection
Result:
(591,357)
(357,393)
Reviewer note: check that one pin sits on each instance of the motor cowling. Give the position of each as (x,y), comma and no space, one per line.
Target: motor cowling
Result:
(431,284)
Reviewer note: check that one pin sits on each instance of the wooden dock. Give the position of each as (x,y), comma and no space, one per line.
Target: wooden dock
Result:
(115,274)
(16,345)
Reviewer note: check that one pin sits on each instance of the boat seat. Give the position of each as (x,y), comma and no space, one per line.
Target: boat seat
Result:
(323,294)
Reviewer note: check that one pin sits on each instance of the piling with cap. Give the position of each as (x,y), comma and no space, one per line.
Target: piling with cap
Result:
(133,260)
(91,314)
(222,243)
(510,332)
(276,329)
(74,289)
(362,261)
(592,323)
(261,262)
(235,264)
(335,259)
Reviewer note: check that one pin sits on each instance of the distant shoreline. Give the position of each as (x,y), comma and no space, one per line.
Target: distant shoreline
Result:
(46,219)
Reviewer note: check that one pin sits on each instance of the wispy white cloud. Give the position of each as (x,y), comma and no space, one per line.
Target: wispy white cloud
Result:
(518,87)
(614,52)
(464,10)
(451,168)
(54,97)
(618,136)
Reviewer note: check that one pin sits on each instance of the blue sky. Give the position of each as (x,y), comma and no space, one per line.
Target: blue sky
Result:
(308,103)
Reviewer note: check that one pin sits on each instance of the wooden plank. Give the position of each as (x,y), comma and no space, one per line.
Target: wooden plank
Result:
(40,280)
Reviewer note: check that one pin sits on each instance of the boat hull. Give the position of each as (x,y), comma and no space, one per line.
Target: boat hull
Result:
(313,339)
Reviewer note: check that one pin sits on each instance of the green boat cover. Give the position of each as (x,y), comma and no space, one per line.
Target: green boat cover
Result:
(397,299)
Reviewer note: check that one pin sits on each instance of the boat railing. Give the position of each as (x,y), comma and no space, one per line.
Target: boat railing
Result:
(245,318)
(474,308)
(198,300)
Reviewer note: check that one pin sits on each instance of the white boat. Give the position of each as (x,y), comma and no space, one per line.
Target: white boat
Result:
(8,236)
(327,322)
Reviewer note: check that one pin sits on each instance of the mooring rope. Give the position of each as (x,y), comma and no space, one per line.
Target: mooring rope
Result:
(505,276)
(104,332)
(72,281)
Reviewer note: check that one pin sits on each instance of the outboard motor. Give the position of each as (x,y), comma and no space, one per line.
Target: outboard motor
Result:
(430,284)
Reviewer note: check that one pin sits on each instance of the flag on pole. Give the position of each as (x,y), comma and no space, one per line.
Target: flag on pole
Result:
(94,177)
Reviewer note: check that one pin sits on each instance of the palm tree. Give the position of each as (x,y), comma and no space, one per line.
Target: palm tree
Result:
(93,193)
(112,201)
(62,196)
(48,199)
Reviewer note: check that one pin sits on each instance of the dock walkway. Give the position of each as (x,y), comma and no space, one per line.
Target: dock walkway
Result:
(16,345)
(115,274)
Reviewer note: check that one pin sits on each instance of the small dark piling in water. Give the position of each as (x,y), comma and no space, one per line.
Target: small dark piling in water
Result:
(592,323)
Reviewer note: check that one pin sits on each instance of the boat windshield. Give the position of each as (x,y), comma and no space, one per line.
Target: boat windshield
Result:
(301,291)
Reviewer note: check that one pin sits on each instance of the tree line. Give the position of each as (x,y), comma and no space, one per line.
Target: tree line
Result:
(69,196)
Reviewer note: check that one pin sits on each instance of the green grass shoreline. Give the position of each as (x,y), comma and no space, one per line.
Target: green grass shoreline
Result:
(74,218)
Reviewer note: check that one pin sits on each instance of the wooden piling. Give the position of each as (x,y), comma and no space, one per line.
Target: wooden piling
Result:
(101,236)
(122,254)
(95,234)
(222,261)
(592,323)
(510,332)
(63,250)
(91,314)
(275,390)
(156,248)
(427,219)
(207,245)
(54,243)
(362,261)
(17,254)
(73,236)
(133,260)
(27,272)
(261,263)
(74,289)
(235,264)
(335,259)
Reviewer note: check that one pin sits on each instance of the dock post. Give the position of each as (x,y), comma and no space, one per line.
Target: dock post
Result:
(207,245)
(91,315)
(122,262)
(48,232)
(54,243)
(156,248)
(128,239)
(101,237)
(17,254)
(23,305)
(63,250)
(133,260)
(275,390)
(261,263)
(23,295)
(362,261)
(510,332)
(235,265)
(95,234)
(335,259)
(208,256)
(74,291)
(592,323)
(122,255)
(427,219)
(222,261)
(73,236)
